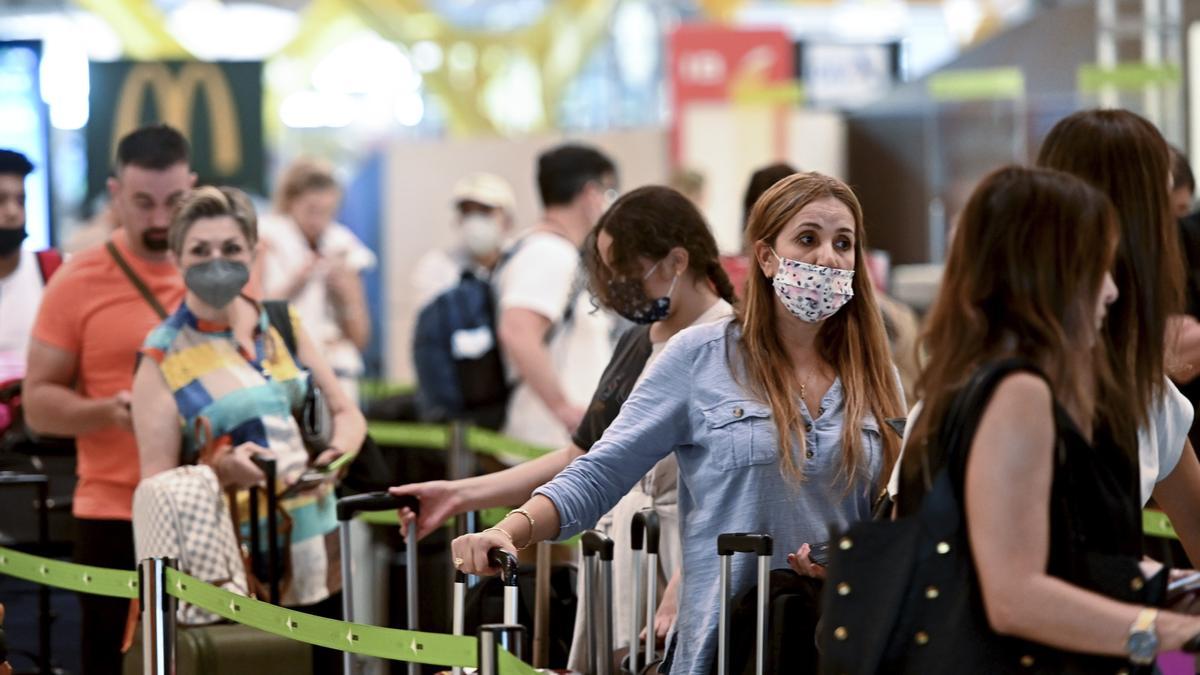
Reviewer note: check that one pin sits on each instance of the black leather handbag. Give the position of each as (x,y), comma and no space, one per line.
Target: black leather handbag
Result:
(903,597)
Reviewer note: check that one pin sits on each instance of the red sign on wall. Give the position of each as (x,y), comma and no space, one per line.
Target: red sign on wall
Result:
(709,61)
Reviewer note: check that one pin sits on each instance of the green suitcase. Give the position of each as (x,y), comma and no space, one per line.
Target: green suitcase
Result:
(229,649)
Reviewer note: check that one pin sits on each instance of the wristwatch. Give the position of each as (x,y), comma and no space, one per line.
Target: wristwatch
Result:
(1142,644)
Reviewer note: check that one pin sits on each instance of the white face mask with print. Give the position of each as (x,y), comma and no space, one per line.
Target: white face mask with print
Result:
(812,293)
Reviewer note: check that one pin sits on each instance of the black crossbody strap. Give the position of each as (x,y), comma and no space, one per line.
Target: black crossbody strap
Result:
(137,282)
(281,319)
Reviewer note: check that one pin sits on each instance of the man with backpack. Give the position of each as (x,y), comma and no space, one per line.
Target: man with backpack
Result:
(484,208)
(457,358)
(94,317)
(554,338)
(532,308)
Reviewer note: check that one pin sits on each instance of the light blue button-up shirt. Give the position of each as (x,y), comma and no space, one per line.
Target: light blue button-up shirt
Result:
(730,478)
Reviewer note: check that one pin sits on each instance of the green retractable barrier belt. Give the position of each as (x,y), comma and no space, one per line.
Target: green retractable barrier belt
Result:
(436,437)
(73,577)
(389,643)
(401,645)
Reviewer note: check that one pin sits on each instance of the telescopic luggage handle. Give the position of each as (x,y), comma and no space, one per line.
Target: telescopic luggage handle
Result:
(762,546)
(644,533)
(507,563)
(267,466)
(645,527)
(347,508)
(598,595)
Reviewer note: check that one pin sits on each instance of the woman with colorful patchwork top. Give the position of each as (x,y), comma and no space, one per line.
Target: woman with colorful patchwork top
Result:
(218,385)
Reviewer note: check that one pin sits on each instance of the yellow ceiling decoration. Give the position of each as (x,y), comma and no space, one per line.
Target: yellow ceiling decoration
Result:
(720,10)
(140,26)
(469,83)
(556,44)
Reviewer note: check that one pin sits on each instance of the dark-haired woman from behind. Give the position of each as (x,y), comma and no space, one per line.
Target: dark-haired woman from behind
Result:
(652,259)
(1125,157)
(1048,474)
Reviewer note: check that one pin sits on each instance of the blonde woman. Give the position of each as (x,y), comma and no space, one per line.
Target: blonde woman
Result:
(316,264)
(218,384)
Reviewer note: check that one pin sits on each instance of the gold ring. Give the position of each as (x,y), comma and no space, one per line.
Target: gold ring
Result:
(458,562)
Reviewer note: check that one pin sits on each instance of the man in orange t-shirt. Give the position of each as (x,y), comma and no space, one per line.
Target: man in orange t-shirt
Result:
(91,324)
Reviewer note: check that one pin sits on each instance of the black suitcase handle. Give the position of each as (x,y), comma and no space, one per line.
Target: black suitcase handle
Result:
(741,542)
(594,543)
(506,563)
(348,507)
(645,523)
(273,566)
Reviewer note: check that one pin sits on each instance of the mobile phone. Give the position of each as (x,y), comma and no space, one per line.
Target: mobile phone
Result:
(1184,584)
(819,553)
(332,467)
(307,480)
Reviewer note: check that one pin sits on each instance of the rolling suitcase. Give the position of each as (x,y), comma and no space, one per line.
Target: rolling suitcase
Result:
(727,546)
(233,649)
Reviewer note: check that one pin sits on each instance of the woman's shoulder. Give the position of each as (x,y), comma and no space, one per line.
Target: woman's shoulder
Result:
(719,332)
(165,336)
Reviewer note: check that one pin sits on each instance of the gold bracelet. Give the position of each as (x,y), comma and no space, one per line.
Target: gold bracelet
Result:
(503,532)
(528,517)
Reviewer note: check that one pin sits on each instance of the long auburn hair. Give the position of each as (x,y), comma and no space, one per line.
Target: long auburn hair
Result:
(853,341)
(647,223)
(1124,156)
(1022,278)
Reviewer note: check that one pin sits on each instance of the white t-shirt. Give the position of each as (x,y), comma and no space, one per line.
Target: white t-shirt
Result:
(286,253)
(20,295)
(1160,443)
(440,270)
(541,277)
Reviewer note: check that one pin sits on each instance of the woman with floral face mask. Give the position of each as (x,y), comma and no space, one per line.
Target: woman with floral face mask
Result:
(653,260)
(219,384)
(773,416)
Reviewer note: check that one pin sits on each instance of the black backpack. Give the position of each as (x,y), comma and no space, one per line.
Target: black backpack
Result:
(456,352)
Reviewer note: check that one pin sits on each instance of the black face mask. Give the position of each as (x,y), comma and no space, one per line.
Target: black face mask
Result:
(155,240)
(10,240)
(628,298)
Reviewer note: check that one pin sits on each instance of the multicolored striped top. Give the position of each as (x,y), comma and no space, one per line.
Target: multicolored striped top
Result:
(228,396)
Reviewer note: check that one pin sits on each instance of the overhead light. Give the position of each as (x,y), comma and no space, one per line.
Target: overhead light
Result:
(366,64)
(312,110)
(245,31)
(410,109)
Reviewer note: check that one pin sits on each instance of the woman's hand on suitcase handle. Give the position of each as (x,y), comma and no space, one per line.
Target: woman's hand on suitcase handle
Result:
(236,469)
(801,564)
(440,501)
(668,607)
(472,550)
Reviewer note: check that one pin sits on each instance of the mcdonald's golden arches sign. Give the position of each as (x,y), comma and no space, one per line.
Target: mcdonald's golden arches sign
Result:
(218,106)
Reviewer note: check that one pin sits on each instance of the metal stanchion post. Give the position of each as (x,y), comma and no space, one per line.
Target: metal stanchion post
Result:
(43,495)
(461,464)
(158,617)
(492,636)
